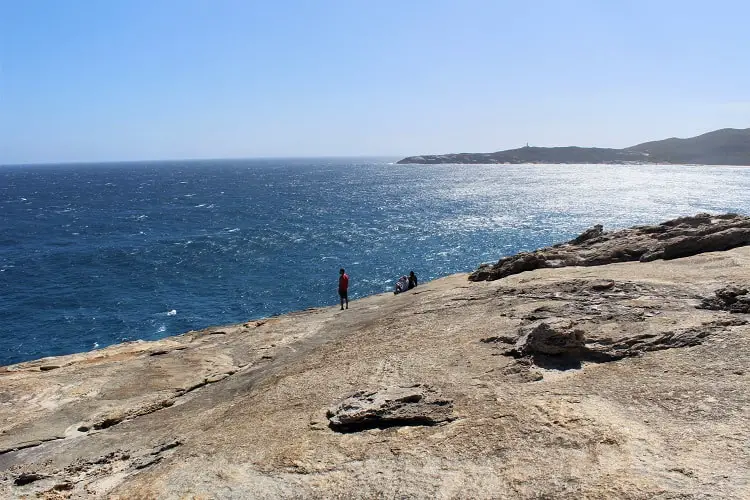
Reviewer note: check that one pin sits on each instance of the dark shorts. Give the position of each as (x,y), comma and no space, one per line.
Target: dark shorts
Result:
(344,294)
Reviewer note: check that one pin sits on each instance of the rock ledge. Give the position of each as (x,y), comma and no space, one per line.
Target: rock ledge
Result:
(673,239)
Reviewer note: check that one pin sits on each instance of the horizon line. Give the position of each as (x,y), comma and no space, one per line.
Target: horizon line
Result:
(166,160)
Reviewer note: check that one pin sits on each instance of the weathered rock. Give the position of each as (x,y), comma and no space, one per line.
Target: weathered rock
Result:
(601,285)
(522,371)
(550,337)
(589,234)
(609,349)
(731,298)
(673,239)
(392,406)
(211,418)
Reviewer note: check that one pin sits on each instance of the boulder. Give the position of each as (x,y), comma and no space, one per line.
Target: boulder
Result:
(550,337)
(417,404)
(589,234)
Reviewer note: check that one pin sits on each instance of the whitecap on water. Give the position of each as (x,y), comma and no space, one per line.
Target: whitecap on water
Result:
(161,329)
(172,312)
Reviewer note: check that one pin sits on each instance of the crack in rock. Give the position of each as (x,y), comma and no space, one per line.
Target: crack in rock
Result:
(29,444)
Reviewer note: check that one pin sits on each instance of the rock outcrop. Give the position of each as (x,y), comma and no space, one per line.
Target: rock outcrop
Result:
(547,337)
(389,407)
(673,239)
(579,382)
(730,298)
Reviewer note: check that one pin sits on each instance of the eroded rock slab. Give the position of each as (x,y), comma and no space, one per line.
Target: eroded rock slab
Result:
(550,337)
(730,298)
(392,406)
(673,239)
(603,320)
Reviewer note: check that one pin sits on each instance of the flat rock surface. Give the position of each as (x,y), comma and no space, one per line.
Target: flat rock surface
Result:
(630,390)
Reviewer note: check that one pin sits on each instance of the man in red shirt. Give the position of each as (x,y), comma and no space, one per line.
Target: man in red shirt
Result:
(343,288)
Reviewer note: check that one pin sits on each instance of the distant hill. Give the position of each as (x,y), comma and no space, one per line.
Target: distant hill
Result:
(722,147)
(728,146)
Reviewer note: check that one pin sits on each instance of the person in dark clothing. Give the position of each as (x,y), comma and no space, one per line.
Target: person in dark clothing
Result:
(412,280)
(343,288)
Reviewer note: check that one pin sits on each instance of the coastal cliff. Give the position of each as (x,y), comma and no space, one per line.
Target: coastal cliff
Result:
(720,147)
(604,380)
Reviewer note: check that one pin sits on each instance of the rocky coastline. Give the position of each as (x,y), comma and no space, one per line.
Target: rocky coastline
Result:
(611,366)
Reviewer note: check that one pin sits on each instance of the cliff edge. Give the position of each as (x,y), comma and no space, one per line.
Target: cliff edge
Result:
(624,380)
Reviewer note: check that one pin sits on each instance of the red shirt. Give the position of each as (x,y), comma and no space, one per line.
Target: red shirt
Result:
(343,282)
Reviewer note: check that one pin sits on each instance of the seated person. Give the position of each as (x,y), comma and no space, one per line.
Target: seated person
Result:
(401,285)
(412,280)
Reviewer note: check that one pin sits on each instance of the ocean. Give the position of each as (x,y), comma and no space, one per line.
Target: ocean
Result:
(96,254)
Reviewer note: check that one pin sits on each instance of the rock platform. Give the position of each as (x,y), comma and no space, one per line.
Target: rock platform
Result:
(628,380)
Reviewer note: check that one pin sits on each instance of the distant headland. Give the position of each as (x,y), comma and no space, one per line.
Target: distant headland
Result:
(721,147)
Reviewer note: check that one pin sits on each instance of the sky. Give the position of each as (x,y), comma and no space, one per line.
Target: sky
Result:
(116,80)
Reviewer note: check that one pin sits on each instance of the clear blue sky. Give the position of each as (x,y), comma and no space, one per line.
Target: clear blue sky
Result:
(158,79)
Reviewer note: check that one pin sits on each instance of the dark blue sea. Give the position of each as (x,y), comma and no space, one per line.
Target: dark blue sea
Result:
(95,254)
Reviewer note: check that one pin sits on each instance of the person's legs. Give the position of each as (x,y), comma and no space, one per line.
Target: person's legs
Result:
(347,299)
(341,296)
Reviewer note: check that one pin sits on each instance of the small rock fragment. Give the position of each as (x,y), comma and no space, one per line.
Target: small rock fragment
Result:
(27,478)
(600,285)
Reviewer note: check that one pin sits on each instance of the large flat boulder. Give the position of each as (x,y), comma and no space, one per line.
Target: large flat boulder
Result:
(391,406)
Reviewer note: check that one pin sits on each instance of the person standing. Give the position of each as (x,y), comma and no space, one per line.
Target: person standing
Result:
(343,288)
